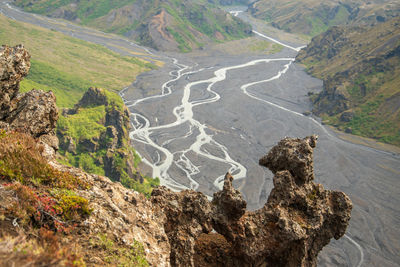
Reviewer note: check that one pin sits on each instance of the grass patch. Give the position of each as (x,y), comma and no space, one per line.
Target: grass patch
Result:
(117,255)
(67,65)
(85,124)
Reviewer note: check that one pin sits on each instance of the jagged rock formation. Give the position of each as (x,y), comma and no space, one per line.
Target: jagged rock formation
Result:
(15,65)
(173,228)
(34,112)
(298,220)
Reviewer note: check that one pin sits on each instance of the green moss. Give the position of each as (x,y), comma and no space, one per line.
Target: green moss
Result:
(73,207)
(118,255)
(85,124)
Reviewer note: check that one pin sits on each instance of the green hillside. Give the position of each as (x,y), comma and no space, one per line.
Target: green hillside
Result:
(360,67)
(69,66)
(311,17)
(165,25)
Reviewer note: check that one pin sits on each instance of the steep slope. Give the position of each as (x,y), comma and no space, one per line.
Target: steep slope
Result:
(53,215)
(312,17)
(230,2)
(165,25)
(54,68)
(94,137)
(55,57)
(360,67)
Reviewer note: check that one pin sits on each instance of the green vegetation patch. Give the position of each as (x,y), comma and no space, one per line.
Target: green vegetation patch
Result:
(27,175)
(117,255)
(85,124)
(68,66)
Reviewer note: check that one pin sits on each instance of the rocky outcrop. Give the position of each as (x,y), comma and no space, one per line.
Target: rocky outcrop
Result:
(298,220)
(172,228)
(14,66)
(34,112)
(92,97)
(123,214)
(187,215)
(109,146)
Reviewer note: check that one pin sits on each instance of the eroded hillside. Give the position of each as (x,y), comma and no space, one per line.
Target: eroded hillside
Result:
(360,67)
(173,25)
(312,17)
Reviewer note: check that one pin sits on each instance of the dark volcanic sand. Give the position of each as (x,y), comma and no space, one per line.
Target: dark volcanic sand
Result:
(248,127)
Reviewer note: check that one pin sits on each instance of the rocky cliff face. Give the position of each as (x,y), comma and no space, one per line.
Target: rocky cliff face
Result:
(115,225)
(105,147)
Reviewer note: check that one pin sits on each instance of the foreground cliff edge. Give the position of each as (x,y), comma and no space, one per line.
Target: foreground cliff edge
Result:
(52,214)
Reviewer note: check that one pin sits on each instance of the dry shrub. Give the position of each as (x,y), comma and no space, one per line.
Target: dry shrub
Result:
(21,160)
(44,251)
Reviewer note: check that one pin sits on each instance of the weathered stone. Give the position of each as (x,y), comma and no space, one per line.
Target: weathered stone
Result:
(119,120)
(92,97)
(14,66)
(111,137)
(294,155)
(298,220)
(51,144)
(229,206)
(89,145)
(188,214)
(347,116)
(35,113)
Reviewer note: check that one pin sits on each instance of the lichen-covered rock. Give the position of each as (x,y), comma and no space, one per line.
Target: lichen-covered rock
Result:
(293,155)
(14,66)
(35,113)
(123,214)
(187,215)
(229,206)
(298,220)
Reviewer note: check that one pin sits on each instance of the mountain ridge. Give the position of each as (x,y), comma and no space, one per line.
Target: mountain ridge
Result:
(172,25)
(312,17)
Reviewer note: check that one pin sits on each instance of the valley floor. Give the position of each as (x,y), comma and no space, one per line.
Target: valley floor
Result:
(207,112)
